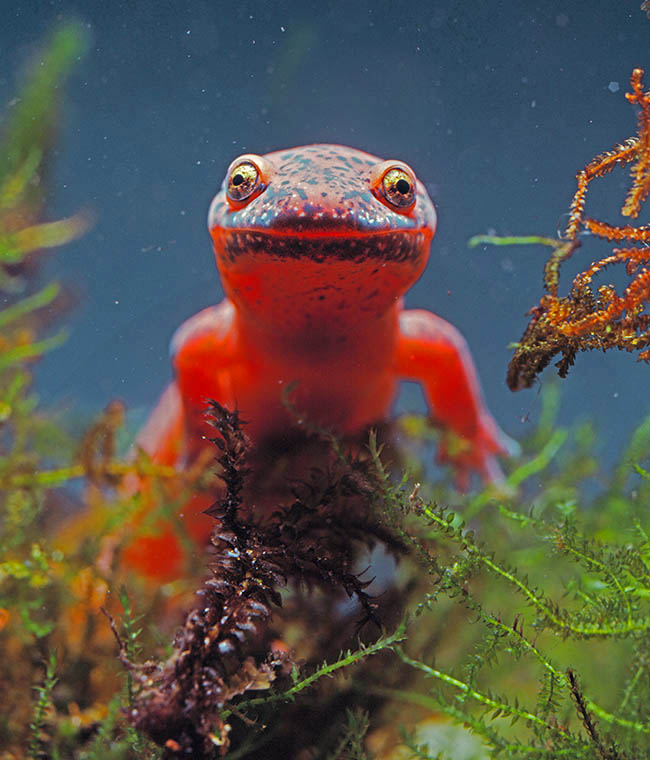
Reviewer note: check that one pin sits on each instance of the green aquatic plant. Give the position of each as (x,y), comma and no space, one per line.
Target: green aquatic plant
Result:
(25,575)
(511,622)
(27,134)
(39,740)
(606,600)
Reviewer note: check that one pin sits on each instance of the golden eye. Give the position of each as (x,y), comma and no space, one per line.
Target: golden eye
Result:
(398,187)
(243,181)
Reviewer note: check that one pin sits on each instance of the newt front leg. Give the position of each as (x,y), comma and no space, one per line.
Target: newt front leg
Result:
(175,435)
(158,552)
(433,353)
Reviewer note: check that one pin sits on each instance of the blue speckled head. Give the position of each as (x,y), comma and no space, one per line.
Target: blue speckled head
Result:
(317,205)
(316,190)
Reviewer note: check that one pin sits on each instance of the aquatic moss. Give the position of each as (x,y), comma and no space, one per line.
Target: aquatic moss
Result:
(591,317)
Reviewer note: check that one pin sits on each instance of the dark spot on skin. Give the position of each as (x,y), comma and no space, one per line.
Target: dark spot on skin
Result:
(323,195)
(301,193)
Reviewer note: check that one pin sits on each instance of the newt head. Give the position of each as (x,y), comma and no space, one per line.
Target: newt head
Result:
(321,232)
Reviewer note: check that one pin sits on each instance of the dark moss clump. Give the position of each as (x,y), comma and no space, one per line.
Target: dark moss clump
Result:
(216,659)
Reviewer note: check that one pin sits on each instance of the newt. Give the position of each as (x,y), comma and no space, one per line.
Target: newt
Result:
(315,247)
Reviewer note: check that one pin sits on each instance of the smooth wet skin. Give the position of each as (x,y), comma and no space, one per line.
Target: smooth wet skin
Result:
(315,247)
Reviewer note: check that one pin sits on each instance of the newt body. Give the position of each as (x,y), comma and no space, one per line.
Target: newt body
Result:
(316,247)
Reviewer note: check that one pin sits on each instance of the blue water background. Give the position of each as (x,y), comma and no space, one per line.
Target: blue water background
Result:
(494,104)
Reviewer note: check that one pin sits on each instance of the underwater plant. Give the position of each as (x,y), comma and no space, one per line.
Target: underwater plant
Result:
(533,640)
(586,319)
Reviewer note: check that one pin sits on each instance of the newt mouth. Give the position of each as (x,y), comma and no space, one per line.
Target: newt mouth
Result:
(321,244)
(303,230)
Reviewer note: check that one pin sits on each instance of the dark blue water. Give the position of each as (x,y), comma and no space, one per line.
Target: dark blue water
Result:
(495,105)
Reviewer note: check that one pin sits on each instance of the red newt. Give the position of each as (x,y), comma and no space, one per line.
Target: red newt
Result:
(316,246)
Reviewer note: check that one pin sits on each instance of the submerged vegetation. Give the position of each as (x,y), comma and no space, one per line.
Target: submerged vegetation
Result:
(513,624)
(588,319)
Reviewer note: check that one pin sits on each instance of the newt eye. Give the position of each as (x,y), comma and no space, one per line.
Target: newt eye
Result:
(398,187)
(394,184)
(244,180)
